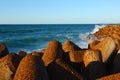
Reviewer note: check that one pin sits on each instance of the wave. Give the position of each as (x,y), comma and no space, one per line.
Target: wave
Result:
(97,27)
(86,38)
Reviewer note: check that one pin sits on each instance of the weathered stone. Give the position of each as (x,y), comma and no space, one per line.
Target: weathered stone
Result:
(77,56)
(53,51)
(111,77)
(31,68)
(107,46)
(93,44)
(22,53)
(8,66)
(109,31)
(40,54)
(93,62)
(3,50)
(69,46)
(58,70)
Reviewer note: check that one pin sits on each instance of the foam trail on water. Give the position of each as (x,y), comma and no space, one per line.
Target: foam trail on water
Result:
(97,27)
(86,38)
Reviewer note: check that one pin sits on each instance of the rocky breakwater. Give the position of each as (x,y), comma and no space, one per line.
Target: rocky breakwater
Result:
(100,61)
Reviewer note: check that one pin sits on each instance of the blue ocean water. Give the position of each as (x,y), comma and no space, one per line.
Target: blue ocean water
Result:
(33,37)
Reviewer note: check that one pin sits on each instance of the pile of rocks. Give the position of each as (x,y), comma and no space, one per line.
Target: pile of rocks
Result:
(100,61)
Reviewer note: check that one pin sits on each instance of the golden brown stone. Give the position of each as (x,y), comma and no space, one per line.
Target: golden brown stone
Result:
(77,56)
(31,68)
(106,46)
(69,46)
(93,62)
(8,66)
(53,51)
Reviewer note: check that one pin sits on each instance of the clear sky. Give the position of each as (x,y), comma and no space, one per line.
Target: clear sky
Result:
(59,11)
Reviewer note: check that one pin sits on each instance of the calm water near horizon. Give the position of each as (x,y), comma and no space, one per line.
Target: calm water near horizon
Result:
(34,37)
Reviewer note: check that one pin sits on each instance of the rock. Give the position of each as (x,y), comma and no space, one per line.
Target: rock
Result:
(93,44)
(53,51)
(22,53)
(111,77)
(93,62)
(40,54)
(43,51)
(58,70)
(109,31)
(69,46)
(31,68)
(3,50)
(107,46)
(8,66)
(117,42)
(116,63)
(77,56)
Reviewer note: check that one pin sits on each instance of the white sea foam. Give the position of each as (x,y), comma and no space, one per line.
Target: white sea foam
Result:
(97,27)
(85,40)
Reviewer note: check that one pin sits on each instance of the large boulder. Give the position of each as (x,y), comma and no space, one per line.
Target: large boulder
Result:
(31,68)
(107,47)
(69,46)
(53,51)
(93,63)
(59,70)
(3,50)
(8,66)
(111,77)
(77,56)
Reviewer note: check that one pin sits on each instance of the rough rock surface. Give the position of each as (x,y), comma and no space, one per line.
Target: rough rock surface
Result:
(69,46)
(77,56)
(109,31)
(31,68)
(93,62)
(8,66)
(106,46)
(53,51)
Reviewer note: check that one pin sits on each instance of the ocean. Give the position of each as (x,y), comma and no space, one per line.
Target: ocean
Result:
(35,37)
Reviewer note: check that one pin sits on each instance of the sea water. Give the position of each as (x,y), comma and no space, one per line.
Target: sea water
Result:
(35,37)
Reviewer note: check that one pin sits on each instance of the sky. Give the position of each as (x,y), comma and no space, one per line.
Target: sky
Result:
(59,11)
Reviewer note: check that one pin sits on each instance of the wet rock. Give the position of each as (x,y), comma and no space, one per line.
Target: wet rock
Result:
(53,51)
(69,46)
(31,68)
(111,77)
(58,70)
(8,66)
(3,50)
(92,60)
